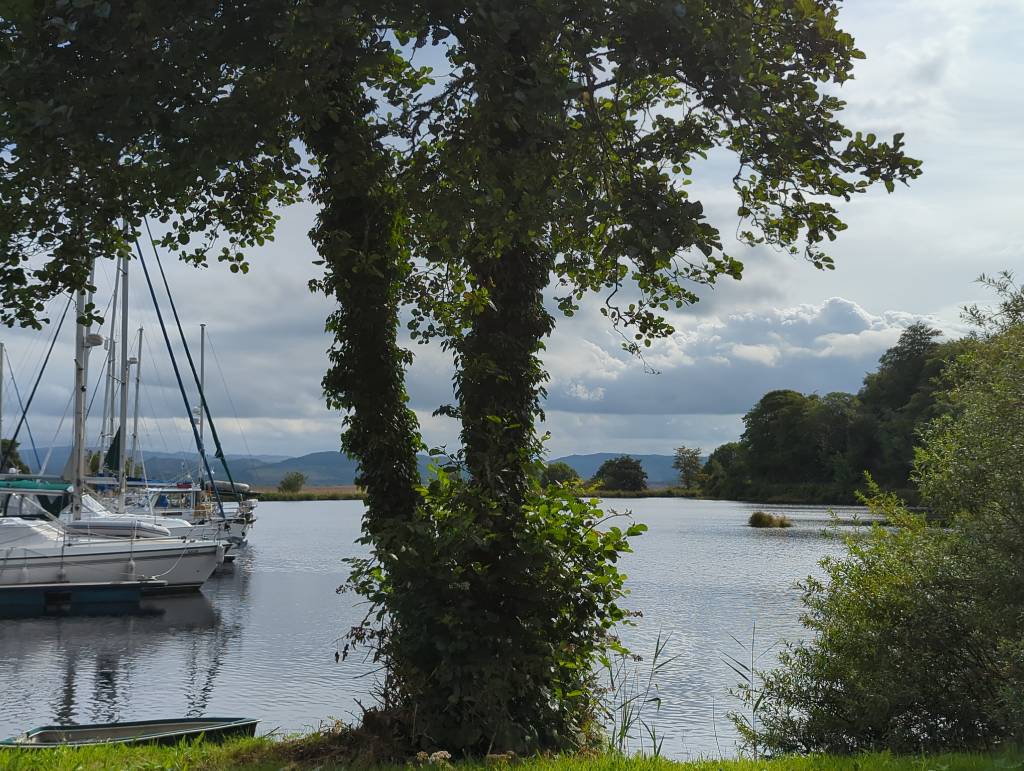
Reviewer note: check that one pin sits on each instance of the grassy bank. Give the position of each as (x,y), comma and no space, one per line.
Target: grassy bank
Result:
(650,492)
(353,493)
(315,753)
(335,493)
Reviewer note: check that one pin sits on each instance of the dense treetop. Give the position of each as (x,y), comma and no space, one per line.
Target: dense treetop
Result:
(817,447)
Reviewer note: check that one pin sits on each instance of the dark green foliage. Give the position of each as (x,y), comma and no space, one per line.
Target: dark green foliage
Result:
(548,604)
(810,448)
(558,473)
(687,463)
(292,482)
(359,235)
(621,473)
(776,438)
(12,458)
(726,474)
(899,398)
(111,115)
(918,629)
(916,644)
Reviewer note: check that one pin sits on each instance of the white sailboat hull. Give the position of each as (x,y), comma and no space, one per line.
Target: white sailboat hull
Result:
(183,565)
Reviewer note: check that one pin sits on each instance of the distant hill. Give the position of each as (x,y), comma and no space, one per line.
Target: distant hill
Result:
(325,469)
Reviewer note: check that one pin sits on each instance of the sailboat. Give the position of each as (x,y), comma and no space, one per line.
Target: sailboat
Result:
(220,506)
(39,557)
(108,512)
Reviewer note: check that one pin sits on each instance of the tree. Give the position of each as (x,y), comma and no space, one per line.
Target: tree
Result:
(776,437)
(558,472)
(621,473)
(900,396)
(915,635)
(291,482)
(726,474)
(687,463)
(561,144)
(969,461)
(12,459)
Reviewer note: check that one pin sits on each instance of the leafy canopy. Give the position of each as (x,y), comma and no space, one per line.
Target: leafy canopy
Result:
(622,473)
(611,106)
(687,463)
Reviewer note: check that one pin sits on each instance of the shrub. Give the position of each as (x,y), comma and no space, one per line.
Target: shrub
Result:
(918,632)
(292,482)
(764,519)
(503,619)
(908,653)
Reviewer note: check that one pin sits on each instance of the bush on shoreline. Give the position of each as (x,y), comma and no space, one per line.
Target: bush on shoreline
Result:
(916,635)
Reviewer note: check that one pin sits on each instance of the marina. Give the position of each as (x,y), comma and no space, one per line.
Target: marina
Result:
(74,539)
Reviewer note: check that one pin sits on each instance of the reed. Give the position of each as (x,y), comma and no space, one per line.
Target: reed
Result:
(336,493)
(765,519)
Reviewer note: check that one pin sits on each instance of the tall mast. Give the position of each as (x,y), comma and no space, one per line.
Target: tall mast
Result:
(2,471)
(202,382)
(83,339)
(109,394)
(122,468)
(135,415)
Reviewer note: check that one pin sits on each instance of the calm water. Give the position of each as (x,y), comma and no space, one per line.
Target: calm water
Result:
(260,639)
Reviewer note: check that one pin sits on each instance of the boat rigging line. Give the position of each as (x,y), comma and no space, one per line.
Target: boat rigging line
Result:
(35,386)
(21,406)
(227,392)
(219,454)
(177,375)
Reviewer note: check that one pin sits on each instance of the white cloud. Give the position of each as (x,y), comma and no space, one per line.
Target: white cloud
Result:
(581,392)
(722,365)
(759,354)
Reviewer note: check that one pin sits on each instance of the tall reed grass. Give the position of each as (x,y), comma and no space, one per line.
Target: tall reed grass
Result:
(764,519)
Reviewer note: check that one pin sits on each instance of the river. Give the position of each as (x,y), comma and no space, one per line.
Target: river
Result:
(260,639)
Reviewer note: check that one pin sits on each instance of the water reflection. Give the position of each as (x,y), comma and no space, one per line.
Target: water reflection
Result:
(259,639)
(91,665)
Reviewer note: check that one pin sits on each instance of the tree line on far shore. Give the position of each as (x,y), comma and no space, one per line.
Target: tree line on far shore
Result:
(815,448)
(808,447)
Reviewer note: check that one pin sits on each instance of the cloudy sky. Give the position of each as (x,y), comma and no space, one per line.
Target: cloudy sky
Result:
(945,72)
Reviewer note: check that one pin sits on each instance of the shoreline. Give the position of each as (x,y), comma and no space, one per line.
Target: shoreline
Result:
(329,751)
(353,493)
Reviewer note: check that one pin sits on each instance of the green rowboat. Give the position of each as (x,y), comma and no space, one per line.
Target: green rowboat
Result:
(211,729)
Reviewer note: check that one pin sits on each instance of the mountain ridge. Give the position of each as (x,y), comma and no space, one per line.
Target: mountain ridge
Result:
(329,468)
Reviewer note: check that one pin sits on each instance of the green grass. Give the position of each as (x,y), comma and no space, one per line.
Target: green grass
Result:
(313,753)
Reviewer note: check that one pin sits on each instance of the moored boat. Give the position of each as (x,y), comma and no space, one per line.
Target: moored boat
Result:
(138,732)
(38,552)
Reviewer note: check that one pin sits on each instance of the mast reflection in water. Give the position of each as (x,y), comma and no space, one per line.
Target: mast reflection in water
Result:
(260,640)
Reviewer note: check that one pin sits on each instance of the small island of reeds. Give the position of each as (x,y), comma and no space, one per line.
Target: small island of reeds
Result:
(765,519)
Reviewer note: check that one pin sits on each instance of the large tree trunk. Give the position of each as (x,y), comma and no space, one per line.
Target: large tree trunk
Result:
(358,235)
(500,382)
(500,377)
